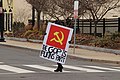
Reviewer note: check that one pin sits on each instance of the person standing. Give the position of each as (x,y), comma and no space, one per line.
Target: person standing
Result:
(60,67)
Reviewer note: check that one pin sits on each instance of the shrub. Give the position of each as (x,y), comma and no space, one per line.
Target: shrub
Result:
(31,34)
(27,33)
(116,37)
(18,29)
(28,27)
(36,36)
(18,26)
(83,39)
(104,42)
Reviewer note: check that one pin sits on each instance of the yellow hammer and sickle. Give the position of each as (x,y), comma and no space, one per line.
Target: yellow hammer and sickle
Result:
(58,40)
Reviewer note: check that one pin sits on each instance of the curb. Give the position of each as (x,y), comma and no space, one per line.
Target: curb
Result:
(16,39)
(112,51)
(93,60)
(19,47)
(117,52)
(69,55)
(24,39)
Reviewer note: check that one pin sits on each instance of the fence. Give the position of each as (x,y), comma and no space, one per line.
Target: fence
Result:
(104,25)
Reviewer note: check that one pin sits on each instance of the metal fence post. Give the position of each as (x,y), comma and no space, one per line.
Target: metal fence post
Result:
(82,26)
(119,24)
(78,27)
(103,26)
(90,26)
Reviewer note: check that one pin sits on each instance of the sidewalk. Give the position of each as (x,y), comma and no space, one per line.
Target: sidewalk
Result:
(79,53)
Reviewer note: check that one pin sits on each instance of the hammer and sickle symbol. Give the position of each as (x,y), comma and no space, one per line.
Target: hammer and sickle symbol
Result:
(58,40)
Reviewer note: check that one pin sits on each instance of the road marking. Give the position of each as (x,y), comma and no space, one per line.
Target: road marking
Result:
(6,73)
(1,62)
(103,68)
(85,68)
(43,68)
(15,69)
(82,69)
(117,67)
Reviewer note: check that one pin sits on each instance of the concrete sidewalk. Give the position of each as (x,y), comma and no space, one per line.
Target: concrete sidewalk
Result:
(79,53)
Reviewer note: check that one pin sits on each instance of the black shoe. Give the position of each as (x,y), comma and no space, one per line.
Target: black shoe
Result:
(58,70)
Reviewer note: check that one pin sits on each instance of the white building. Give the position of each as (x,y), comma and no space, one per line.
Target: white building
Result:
(21,9)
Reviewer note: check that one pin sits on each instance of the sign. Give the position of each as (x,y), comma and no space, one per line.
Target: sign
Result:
(76,9)
(56,43)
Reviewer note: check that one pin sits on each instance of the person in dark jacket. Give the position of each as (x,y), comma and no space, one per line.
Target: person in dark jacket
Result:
(60,67)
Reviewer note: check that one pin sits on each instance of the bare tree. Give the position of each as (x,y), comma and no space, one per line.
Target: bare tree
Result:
(61,10)
(97,9)
(58,9)
(22,15)
(39,5)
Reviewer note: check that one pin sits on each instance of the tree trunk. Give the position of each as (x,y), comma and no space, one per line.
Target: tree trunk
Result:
(78,27)
(38,20)
(33,16)
(95,33)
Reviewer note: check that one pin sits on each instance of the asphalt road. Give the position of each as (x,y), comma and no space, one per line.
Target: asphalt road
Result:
(23,64)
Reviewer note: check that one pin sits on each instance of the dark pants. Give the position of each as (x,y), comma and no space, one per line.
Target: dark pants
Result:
(59,66)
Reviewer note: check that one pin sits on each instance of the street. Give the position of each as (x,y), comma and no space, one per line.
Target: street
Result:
(24,64)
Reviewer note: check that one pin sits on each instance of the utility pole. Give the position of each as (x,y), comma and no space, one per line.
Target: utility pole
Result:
(2,39)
